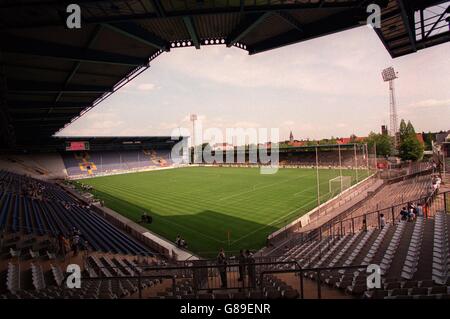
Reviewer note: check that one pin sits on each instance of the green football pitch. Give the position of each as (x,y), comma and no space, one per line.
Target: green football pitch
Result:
(217,207)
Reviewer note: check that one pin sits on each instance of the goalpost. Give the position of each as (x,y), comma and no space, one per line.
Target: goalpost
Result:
(339,184)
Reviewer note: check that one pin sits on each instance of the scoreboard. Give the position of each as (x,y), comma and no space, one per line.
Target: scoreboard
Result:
(77,146)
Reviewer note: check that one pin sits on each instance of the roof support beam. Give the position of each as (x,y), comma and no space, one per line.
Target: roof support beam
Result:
(408,22)
(249,22)
(425,43)
(13,44)
(38,125)
(242,7)
(37,119)
(69,78)
(190,26)
(33,104)
(18,86)
(291,20)
(335,23)
(182,13)
(44,110)
(441,17)
(135,32)
(159,9)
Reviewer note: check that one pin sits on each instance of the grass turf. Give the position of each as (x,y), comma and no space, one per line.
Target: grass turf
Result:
(206,204)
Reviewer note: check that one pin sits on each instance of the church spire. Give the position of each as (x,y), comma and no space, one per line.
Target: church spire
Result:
(291,137)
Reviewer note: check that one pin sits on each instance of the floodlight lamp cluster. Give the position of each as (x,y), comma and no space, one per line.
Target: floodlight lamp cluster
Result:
(389,74)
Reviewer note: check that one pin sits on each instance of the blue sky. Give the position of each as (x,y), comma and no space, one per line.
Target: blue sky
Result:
(330,86)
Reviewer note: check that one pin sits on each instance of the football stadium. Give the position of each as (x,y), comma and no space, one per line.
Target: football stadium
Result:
(242,211)
(143,213)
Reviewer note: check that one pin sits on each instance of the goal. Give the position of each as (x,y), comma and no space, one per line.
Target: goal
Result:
(340,183)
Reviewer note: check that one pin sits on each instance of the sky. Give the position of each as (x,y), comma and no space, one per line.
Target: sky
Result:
(330,86)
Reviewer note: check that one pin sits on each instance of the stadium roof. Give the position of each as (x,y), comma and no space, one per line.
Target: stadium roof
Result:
(50,75)
(120,139)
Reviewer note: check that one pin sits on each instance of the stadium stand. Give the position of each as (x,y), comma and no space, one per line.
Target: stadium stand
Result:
(413,254)
(326,158)
(40,208)
(383,198)
(412,263)
(40,165)
(104,162)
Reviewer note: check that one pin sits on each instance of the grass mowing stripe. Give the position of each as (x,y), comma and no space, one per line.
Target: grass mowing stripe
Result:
(187,201)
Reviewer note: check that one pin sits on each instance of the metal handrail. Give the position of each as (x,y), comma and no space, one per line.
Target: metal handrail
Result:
(297,269)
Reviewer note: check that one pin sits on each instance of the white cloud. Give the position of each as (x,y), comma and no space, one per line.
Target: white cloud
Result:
(168,126)
(309,69)
(431,103)
(136,131)
(146,87)
(246,124)
(288,123)
(319,88)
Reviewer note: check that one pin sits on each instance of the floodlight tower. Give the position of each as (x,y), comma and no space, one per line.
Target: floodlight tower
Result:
(193,119)
(389,75)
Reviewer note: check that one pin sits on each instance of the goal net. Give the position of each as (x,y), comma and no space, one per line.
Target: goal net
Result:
(340,183)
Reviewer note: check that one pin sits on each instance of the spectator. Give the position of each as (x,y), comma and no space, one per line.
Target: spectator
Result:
(242,261)
(178,241)
(382,221)
(411,215)
(75,244)
(183,243)
(251,269)
(419,210)
(425,210)
(62,244)
(410,207)
(364,224)
(222,267)
(404,214)
(85,245)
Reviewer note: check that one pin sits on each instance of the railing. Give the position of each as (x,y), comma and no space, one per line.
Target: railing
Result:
(410,174)
(343,198)
(431,204)
(206,276)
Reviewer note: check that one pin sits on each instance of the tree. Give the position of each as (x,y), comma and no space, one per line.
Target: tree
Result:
(353,139)
(410,147)
(332,141)
(428,139)
(311,143)
(383,143)
(410,129)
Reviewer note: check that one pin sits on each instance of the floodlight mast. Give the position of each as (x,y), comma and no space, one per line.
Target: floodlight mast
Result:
(193,118)
(389,75)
